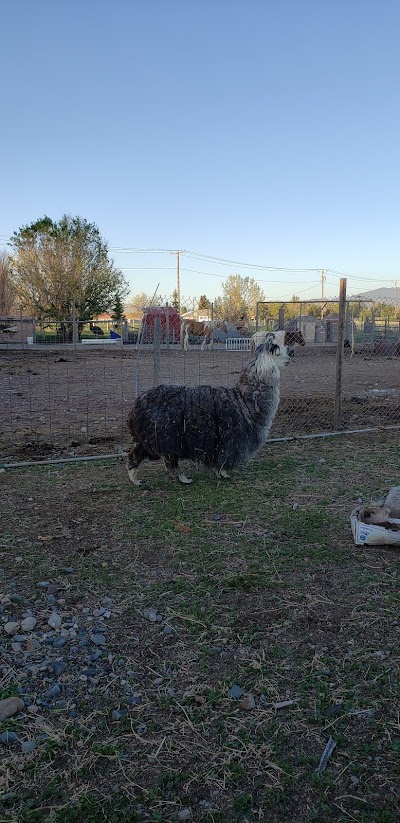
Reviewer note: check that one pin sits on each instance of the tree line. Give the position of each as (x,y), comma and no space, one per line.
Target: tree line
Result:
(60,269)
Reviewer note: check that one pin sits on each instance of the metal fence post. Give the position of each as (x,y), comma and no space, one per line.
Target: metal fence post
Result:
(74,327)
(339,354)
(167,324)
(156,350)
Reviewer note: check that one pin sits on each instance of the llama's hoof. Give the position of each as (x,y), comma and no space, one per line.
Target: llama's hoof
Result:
(132,474)
(183,479)
(223,474)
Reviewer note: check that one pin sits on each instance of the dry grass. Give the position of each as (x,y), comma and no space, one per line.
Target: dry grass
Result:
(264,589)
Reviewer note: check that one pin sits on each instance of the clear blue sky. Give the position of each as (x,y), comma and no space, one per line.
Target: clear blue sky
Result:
(261,131)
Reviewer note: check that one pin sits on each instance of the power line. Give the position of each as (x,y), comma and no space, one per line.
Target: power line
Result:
(300,292)
(209,258)
(133,250)
(358,277)
(226,262)
(212,274)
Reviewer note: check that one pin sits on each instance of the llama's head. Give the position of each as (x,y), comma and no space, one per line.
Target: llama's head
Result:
(271,353)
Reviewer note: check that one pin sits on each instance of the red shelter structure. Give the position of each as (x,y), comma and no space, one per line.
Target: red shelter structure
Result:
(170,324)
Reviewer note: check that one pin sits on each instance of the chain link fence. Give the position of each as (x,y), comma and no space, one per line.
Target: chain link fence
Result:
(70,397)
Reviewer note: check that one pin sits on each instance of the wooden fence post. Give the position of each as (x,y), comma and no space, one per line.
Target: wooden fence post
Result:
(339,355)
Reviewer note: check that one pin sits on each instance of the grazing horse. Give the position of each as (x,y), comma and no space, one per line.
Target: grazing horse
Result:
(204,329)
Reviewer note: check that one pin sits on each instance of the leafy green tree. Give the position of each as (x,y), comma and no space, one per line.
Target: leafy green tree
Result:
(62,267)
(292,309)
(218,308)
(140,301)
(204,302)
(118,309)
(174,301)
(386,311)
(240,297)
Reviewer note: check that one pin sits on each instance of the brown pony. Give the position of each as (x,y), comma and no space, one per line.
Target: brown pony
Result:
(204,329)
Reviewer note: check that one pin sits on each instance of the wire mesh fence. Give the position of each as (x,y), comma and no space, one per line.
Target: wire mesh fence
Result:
(63,399)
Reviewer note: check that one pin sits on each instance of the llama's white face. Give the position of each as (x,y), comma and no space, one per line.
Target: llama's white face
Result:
(271,353)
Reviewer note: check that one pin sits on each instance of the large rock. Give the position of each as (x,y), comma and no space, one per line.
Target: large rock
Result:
(28,624)
(9,706)
(11,627)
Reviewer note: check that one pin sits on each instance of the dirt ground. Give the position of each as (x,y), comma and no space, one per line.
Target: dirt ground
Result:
(57,402)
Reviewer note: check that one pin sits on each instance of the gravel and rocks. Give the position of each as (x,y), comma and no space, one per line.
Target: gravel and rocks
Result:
(55,655)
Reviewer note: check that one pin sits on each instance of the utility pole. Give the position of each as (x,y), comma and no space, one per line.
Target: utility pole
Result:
(178,277)
(323,278)
(395,293)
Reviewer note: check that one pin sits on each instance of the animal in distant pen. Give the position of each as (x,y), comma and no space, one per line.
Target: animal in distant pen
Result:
(194,330)
(222,428)
(283,337)
(97,330)
(387,348)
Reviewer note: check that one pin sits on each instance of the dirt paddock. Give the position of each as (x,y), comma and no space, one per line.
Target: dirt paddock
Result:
(58,402)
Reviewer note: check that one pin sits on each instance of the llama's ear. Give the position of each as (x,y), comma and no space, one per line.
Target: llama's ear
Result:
(269,342)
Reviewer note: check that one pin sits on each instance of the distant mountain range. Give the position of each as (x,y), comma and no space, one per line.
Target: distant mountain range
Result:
(382,295)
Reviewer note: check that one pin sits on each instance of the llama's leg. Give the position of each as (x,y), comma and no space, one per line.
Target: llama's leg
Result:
(222,474)
(183,479)
(172,465)
(204,343)
(135,457)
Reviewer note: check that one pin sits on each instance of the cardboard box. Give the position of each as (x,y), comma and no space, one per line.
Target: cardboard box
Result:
(387,514)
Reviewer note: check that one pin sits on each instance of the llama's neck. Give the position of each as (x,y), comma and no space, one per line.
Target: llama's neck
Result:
(261,375)
(267,371)
(259,386)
